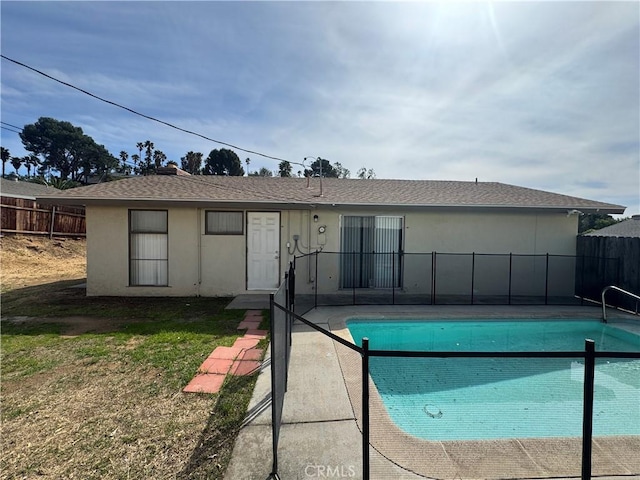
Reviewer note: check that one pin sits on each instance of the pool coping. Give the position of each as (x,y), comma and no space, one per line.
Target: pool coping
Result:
(488,459)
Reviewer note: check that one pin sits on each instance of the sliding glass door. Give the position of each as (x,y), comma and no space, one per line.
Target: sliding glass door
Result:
(371,252)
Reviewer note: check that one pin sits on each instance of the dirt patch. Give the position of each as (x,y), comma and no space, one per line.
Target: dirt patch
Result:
(33,260)
(74,326)
(116,423)
(81,403)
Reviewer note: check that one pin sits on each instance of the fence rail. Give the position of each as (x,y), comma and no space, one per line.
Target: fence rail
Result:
(19,215)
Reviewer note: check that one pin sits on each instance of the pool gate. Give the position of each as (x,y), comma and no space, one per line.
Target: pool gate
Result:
(283,306)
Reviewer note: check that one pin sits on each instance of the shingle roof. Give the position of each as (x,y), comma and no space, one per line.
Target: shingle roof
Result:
(204,189)
(628,228)
(19,189)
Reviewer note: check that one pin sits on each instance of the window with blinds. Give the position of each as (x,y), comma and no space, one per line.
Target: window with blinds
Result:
(224,223)
(148,247)
(371,252)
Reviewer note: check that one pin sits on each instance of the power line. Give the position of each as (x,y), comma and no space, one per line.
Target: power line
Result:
(148,117)
(11,130)
(11,125)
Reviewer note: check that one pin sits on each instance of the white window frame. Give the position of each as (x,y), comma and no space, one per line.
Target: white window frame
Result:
(148,252)
(208,228)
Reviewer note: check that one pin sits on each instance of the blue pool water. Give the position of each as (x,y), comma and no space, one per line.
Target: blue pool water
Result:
(488,398)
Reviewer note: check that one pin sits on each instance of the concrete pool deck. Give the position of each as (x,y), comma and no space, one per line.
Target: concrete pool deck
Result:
(320,435)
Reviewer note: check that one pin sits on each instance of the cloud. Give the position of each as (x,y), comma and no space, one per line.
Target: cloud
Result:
(539,94)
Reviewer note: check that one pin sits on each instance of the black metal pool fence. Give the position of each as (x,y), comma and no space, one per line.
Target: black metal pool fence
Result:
(434,278)
(281,310)
(282,318)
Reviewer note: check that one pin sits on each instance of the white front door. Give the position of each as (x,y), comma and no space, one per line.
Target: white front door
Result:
(263,250)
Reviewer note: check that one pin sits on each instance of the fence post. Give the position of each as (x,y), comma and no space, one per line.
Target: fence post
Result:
(291,305)
(315,300)
(546,282)
(510,274)
(353,280)
(287,325)
(52,223)
(473,273)
(582,289)
(433,275)
(275,427)
(365,409)
(587,414)
(291,299)
(287,290)
(393,278)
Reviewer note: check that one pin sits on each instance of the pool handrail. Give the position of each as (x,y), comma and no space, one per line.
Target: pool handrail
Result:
(617,289)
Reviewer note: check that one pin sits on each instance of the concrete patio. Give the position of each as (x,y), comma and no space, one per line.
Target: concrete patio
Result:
(320,434)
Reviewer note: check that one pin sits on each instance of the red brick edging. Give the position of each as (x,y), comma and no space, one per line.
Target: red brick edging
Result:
(243,358)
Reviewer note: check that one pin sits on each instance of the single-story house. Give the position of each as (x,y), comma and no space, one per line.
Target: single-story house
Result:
(14,188)
(215,235)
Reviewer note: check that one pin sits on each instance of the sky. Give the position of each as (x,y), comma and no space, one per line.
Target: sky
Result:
(543,95)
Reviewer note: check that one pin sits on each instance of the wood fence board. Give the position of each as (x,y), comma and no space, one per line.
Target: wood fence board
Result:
(19,215)
(623,273)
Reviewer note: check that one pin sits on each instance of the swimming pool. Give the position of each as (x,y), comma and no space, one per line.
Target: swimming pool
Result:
(491,398)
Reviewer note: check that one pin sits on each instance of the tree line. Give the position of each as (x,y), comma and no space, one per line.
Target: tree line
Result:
(61,153)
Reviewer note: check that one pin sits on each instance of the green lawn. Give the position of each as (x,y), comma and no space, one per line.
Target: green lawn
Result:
(92,386)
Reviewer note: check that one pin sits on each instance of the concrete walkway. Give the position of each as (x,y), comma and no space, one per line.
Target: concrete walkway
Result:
(319,425)
(249,301)
(320,436)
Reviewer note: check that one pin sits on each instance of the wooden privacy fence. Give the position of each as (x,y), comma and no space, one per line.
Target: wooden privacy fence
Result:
(25,216)
(626,274)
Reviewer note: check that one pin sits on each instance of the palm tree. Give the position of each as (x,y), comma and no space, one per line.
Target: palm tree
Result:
(159,157)
(284,169)
(192,163)
(124,156)
(27,163)
(148,155)
(6,156)
(30,161)
(248,161)
(140,147)
(16,162)
(136,158)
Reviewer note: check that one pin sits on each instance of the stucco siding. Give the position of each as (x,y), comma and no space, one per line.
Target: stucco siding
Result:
(223,263)
(523,234)
(183,253)
(107,251)
(214,265)
(530,233)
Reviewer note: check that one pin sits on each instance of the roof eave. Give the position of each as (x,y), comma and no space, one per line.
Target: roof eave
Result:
(300,204)
(183,202)
(16,195)
(604,208)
